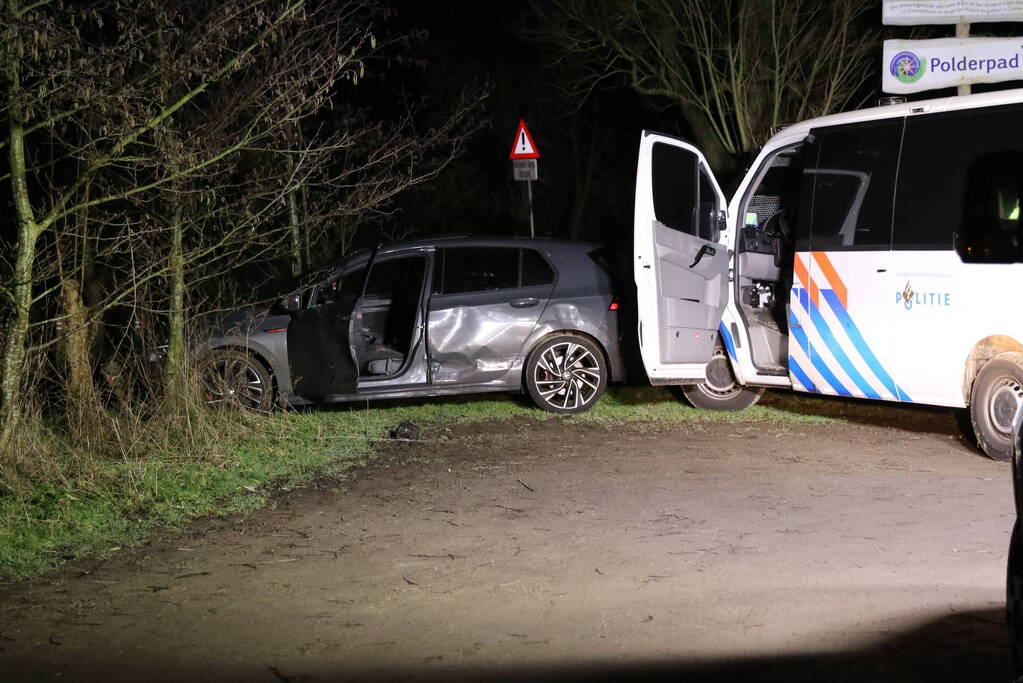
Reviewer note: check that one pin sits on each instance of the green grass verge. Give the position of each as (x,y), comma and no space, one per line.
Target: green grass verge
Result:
(106,504)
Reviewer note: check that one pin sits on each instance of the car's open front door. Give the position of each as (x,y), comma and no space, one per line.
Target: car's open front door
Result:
(325,338)
(320,353)
(681,269)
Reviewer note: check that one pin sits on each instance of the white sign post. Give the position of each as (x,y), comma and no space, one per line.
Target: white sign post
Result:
(906,62)
(915,12)
(915,65)
(524,154)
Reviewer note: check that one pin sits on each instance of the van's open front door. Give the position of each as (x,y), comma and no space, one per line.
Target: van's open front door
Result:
(681,269)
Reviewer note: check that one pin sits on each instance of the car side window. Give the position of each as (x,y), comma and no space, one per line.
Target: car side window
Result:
(535,270)
(477,269)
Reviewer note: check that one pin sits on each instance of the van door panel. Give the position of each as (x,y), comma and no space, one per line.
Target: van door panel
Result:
(840,328)
(681,276)
(840,314)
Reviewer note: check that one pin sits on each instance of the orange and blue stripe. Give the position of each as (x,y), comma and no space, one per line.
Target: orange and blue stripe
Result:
(846,348)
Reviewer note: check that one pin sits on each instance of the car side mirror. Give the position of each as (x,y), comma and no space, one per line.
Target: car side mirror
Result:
(290,304)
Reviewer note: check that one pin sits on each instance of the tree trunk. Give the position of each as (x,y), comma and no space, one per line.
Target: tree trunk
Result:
(296,234)
(175,374)
(14,334)
(78,346)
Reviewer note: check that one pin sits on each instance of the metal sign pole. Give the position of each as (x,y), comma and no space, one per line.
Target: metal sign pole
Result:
(532,229)
(524,155)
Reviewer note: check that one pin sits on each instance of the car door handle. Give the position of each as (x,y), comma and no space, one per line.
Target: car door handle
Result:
(525,303)
(705,250)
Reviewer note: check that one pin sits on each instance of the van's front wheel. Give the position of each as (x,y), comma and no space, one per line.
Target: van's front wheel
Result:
(721,391)
(997,392)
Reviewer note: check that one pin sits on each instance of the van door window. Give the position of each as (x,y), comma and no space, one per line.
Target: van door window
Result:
(706,211)
(854,186)
(959,182)
(674,173)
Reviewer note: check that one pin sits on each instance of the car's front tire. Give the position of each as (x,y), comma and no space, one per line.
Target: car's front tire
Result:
(566,374)
(230,378)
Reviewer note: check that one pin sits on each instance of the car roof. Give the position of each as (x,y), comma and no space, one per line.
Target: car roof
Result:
(439,242)
(481,241)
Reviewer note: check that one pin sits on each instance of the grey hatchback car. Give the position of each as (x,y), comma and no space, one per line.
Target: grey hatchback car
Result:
(451,315)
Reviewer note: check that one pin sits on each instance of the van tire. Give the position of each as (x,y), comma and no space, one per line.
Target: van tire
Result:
(996,393)
(721,391)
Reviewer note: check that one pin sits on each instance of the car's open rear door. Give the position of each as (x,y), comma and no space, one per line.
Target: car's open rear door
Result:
(681,269)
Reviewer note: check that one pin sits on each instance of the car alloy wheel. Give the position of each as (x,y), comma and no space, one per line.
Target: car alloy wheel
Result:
(232,378)
(566,374)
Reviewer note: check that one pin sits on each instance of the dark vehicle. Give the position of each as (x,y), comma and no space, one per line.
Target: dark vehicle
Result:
(1014,572)
(428,318)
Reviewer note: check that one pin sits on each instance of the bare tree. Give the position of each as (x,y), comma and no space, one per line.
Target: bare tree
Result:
(734,69)
(145,134)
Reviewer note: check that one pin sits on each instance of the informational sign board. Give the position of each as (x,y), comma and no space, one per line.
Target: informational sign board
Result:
(914,65)
(915,12)
(523,147)
(524,169)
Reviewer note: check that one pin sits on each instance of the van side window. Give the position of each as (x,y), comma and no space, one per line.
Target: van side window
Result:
(674,173)
(811,154)
(959,184)
(854,186)
(990,231)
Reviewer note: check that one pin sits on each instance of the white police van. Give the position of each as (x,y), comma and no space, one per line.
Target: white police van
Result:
(875,253)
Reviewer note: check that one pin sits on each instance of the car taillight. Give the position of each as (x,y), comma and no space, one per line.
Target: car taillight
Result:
(614,305)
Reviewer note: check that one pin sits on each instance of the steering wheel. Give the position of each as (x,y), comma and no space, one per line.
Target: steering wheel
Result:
(778,226)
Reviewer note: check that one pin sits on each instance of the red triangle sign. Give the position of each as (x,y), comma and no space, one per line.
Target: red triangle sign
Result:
(524,147)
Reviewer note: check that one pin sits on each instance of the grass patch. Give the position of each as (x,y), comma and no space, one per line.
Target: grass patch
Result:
(103,504)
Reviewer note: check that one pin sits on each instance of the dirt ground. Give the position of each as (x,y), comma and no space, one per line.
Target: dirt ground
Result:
(547,550)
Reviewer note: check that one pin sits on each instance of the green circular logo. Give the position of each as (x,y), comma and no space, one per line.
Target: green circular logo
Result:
(907,67)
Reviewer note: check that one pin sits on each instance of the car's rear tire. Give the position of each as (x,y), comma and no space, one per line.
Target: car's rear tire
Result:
(230,378)
(996,394)
(721,390)
(566,374)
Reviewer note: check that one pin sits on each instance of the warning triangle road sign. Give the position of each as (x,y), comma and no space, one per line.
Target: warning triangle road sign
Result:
(524,147)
